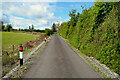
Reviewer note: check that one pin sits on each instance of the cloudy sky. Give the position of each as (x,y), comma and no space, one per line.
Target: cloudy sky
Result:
(40,14)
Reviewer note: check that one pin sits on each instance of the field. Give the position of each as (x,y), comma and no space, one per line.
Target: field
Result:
(10,38)
(10,53)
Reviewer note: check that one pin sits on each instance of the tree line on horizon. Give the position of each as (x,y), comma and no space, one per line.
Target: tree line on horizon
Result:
(31,28)
(95,32)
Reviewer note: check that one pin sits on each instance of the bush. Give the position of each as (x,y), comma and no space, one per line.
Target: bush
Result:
(48,32)
(96,33)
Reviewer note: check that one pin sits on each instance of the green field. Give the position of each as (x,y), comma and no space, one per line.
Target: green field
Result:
(11,38)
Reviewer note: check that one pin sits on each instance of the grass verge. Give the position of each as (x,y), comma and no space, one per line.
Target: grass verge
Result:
(10,54)
(20,72)
(83,55)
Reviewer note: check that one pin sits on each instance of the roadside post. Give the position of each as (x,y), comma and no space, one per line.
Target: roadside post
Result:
(21,54)
(45,38)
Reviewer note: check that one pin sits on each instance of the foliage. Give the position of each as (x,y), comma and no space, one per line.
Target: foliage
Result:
(1,25)
(95,32)
(9,55)
(8,28)
(48,32)
(54,27)
(37,30)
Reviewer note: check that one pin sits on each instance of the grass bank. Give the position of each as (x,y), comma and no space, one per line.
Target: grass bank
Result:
(10,47)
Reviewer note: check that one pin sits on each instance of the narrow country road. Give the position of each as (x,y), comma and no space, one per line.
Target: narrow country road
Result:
(58,60)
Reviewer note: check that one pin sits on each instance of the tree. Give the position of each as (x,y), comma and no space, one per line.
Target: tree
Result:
(54,27)
(29,27)
(48,31)
(74,18)
(32,27)
(31,30)
(103,9)
(1,26)
(73,22)
(96,33)
(8,27)
(19,29)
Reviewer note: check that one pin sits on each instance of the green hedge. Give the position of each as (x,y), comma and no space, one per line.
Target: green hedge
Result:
(96,33)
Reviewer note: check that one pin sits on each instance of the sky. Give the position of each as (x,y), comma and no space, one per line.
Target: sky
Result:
(41,14)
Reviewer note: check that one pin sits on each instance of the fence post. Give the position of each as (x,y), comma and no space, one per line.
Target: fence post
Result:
(21,54)
(13,48)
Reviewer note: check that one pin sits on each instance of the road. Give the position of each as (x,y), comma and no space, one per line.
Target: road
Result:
(58,60)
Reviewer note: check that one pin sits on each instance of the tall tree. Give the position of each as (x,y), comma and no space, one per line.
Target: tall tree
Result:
(1,25)
(73,19)
(19,29)
(29,28)
(54,27)
(32,27)
(8,27)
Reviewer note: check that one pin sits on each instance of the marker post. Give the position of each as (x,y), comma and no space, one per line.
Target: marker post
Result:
(45,38)
(21,54)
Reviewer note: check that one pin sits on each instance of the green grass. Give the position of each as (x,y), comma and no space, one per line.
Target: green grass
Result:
(0,41)
(24,68)
(11,38)
(83,55)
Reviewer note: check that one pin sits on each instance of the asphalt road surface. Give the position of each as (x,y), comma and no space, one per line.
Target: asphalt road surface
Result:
(58,60)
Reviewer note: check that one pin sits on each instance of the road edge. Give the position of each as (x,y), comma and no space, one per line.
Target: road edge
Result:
(26,57)
(90,61)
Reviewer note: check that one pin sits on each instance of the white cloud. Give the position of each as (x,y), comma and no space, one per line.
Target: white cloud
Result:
(53,0)
(21,15)
(0,11)
(29,0)
(19,22)
(34,11)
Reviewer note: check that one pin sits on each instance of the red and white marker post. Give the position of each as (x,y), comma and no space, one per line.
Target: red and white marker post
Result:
(21,55)
(45,38)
